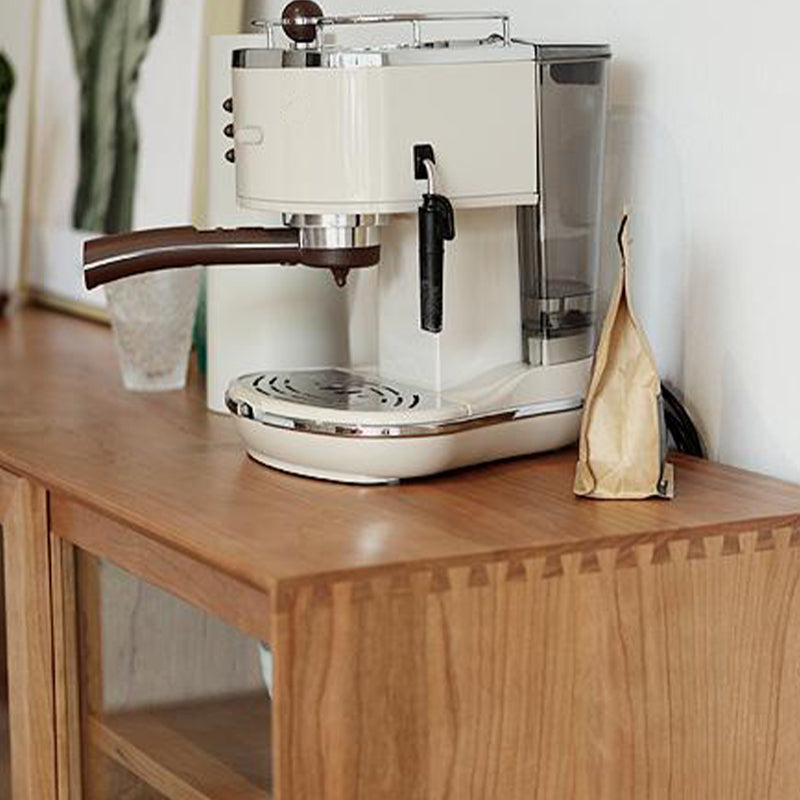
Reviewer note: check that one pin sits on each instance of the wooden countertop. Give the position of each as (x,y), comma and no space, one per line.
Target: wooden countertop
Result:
(164,465)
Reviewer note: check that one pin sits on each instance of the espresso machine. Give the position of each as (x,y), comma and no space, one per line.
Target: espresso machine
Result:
(444,180)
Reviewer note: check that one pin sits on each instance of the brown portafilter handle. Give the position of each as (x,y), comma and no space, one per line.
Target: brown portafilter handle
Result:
(111,258)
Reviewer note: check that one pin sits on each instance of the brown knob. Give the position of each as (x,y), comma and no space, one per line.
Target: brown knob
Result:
(299,10)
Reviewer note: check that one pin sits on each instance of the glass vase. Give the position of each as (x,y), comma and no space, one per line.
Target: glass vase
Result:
(152,316)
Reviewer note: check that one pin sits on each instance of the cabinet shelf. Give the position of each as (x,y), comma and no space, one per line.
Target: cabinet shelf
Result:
(203,750)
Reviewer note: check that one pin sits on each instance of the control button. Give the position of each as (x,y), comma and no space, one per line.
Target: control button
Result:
(230,155)
(250,134)
(228,130)
(228,105)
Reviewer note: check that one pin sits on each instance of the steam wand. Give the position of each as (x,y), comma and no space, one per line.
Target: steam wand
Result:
(436,225)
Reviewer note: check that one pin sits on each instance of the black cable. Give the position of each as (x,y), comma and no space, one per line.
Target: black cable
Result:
(680,426)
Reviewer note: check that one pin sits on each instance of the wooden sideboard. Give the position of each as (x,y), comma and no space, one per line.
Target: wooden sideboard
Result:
(482,635)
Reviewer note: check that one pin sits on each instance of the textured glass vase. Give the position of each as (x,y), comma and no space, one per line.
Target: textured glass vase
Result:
(152,316)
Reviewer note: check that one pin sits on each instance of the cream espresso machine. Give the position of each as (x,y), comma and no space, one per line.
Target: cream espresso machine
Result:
(442,192)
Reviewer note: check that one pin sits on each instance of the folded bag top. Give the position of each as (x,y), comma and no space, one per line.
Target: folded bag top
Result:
(622,445)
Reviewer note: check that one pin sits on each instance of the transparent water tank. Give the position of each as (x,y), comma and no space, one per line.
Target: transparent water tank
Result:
(559,239)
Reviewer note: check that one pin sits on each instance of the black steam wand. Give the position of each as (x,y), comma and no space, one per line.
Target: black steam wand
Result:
(436,225)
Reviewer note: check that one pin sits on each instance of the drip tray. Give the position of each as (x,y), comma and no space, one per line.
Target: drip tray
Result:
(336,397)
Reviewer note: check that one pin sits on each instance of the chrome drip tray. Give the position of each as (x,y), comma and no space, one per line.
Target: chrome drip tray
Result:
(339,402)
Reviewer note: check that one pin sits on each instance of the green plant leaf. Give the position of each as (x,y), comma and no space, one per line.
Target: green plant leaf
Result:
(117,39)
(98,109)
(6,88)
(154,17)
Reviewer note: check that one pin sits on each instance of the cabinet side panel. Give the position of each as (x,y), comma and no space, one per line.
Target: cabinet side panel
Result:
(29,639)
(661,671)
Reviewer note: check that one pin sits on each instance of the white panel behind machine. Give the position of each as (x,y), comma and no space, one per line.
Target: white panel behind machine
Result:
(269,317)
(481,302)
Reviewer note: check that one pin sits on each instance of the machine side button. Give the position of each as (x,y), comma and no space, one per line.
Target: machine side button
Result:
(249,135)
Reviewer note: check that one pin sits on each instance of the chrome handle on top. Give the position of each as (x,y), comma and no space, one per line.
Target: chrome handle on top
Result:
(415,20)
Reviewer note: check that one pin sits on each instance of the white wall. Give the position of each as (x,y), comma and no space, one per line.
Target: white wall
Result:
(704,136)
(704,131)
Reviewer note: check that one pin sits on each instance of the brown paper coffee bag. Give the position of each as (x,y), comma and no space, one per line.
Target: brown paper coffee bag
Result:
(622,444)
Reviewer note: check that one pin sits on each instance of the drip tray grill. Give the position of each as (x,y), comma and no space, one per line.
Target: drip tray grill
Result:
(343,391)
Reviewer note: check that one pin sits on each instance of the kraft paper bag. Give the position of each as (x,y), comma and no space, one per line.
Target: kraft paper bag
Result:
(622,444)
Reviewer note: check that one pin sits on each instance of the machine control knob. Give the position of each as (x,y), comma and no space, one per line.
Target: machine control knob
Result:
(230,155)
(301,10)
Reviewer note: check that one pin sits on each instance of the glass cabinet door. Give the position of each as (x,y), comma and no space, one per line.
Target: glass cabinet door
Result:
(174,700)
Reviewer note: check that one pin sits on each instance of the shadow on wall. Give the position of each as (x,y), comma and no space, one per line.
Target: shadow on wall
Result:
(261,9)
(643,173)
(749,420)
(744,418)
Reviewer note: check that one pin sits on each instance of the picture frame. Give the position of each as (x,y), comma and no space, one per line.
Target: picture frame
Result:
(100,154)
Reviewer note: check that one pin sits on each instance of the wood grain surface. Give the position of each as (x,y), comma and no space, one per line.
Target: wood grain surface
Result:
(5,746)
(657,672)
(5,774)
(474,636)
(214,750)
(163,465)
(239,604)
(26,557)
(66,666)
